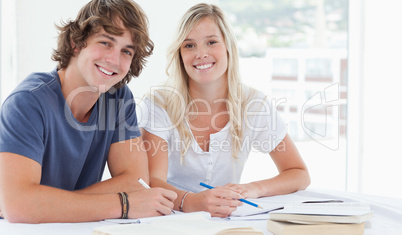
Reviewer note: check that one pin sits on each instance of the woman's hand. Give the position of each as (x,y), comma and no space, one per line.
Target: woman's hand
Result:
(245,190)
(219,202)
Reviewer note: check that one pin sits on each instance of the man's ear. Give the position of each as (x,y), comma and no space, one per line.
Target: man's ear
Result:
(74,46)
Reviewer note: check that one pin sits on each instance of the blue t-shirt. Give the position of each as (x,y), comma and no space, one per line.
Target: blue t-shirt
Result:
(36,122)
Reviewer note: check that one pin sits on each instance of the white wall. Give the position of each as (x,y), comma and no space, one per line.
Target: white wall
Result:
(36,32)
(8,48)
(375,79)
(382,74)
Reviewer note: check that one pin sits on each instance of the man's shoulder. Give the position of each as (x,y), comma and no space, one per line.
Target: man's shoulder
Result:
(35,81)
(32,91)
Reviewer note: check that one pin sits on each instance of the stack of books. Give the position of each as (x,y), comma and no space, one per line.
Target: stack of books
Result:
(320,218)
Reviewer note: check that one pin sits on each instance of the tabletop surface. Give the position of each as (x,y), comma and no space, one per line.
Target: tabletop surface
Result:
(387,217)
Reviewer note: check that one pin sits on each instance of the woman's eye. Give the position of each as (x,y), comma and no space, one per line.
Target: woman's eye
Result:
(212,42)
(189,46)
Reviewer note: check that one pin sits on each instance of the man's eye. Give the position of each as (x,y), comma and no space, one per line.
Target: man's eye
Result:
(128,53)
(105,43)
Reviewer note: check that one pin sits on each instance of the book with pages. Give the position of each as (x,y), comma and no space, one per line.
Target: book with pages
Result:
(287,228)
(320,218)
(347,212)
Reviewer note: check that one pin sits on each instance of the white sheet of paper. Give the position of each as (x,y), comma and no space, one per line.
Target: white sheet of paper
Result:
(272,203)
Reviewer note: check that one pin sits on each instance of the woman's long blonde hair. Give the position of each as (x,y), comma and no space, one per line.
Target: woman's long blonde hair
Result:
(176,104)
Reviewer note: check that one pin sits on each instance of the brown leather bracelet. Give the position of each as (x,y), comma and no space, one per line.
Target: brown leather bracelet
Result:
(125,205)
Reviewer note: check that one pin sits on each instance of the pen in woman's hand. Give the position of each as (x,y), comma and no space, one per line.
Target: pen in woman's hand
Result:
(241,199)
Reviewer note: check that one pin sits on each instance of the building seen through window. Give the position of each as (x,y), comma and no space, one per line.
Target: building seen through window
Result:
(296,52)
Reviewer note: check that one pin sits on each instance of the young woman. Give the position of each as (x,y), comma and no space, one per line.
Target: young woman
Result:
(202,125)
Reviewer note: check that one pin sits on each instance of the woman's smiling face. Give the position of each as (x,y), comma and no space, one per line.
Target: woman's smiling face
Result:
(204,53)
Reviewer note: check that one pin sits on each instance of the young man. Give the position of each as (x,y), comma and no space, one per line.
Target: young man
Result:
(59,129)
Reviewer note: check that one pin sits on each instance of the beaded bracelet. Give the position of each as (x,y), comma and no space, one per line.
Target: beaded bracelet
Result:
(124,205)
(182,201)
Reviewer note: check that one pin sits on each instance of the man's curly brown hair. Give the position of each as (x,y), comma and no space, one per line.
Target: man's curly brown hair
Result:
(106,14)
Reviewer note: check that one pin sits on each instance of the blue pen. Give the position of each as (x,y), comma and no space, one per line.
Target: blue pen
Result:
(242,200)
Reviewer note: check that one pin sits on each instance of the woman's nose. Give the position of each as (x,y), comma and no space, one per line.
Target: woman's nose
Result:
(202,52)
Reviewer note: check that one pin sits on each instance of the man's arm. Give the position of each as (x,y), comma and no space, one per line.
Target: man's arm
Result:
(127,162)
(23,199)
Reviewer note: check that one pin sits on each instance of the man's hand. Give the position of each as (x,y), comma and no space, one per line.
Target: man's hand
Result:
(151,202)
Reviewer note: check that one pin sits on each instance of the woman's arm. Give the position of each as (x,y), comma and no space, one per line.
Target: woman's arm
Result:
(293,174)
(219,202)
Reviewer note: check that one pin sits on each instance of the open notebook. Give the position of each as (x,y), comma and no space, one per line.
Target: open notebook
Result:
(271,204)
(185,223)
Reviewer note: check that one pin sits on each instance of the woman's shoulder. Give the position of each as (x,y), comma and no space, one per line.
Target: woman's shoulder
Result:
(153,103)
(249,93)
(158,96)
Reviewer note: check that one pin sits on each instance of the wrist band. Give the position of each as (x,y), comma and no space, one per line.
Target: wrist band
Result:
(182,201)
(124,205)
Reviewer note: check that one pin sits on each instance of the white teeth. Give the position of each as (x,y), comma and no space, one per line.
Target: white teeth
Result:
(204,66)
(105,71)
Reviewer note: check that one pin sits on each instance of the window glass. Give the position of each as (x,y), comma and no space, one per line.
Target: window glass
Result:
(296,52)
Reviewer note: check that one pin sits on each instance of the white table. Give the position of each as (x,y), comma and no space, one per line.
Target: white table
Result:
(387,217)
